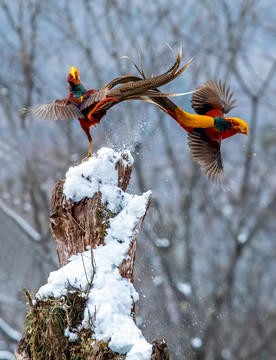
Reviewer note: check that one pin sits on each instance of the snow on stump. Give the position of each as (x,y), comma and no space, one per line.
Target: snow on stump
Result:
(86,309)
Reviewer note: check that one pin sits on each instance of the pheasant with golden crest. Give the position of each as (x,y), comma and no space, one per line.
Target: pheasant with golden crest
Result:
(90,106)
(208,127)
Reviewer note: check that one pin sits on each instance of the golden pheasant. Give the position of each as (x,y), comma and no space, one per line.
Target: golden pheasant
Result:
(90,106)
(208,127)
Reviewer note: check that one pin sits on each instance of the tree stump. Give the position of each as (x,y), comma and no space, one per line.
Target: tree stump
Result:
(74,226)
(95,224)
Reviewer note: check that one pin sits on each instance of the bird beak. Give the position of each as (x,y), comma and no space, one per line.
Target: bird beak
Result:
(74,72)
(243,130)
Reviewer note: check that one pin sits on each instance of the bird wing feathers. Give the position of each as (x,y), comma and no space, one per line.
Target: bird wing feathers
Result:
(93,98)
(212,95)
(57,109)
(207,153)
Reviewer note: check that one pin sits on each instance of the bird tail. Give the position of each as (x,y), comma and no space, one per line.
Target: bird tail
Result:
(141,86)
(132,87)
(146,89)
(137,86)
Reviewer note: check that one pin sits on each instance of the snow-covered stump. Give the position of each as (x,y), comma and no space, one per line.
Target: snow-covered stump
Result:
(86,309)
(83,204)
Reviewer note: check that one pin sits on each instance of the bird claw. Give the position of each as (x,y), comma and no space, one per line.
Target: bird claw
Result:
(87,157)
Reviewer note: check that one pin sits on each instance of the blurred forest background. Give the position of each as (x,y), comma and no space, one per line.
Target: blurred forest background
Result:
(205,266)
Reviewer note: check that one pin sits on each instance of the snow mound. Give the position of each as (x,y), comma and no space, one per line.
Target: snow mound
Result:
(98,173)
(111,296)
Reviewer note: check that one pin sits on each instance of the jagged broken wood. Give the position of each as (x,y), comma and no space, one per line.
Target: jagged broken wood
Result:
(75,225)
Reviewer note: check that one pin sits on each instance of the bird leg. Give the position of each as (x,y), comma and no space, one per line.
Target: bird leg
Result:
(90,146)
(87,132)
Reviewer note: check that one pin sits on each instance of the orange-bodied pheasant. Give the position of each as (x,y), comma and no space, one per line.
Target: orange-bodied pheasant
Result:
(208,127)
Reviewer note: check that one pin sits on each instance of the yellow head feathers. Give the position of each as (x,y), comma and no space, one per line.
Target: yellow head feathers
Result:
(74,72)
(238,124)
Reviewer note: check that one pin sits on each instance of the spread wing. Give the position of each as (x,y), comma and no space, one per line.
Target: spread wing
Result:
(207,153)
(57,109)
(212,95)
